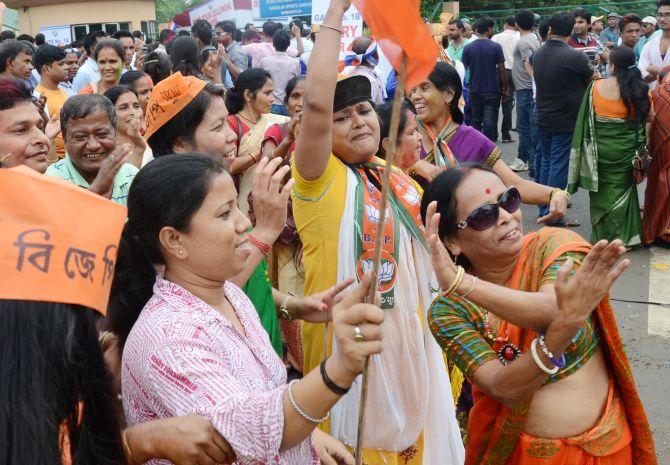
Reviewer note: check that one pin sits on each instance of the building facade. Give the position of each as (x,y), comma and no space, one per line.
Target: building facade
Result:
(57,18)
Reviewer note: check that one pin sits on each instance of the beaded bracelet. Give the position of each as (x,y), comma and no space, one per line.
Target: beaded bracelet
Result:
(300,411)
(543,345)
(538,361)
(262,246)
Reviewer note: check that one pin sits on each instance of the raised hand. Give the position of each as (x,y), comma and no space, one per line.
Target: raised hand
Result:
(104,181)
(444,266)
(52,129)
(270,199)
(579,295)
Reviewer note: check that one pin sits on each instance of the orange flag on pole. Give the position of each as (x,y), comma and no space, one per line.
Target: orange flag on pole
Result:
(398,28)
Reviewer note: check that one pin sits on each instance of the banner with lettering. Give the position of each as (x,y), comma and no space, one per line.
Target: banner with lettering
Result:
(57,35)
(352,23)
(284,8)
(214,11)
(58,242)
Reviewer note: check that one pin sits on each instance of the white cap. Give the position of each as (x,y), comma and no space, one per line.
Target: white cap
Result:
(649,20)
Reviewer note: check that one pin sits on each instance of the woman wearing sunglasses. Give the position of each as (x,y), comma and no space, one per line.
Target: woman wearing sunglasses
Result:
(550,378)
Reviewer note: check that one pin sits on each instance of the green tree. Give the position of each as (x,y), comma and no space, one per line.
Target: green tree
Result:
(167,9)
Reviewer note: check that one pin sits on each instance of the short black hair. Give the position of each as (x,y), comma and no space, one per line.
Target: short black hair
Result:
(40,39)
(484,25)
(562,23)
(114,44)
(510,21)
(91,39)
(227,26)
(80,106)
(7,35)
(165,34)
(138,34)
(184,33)
(457,22)
(630,18)
(10,49)
(248,26)
(270,27)
(115,92)
(202,30)
(121,33)
(281,40)
(525,19)
(543,29)
(46,55)
(663,3)
(26,38)
(582,13)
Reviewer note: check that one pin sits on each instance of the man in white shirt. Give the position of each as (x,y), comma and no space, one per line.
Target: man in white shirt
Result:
(307,45)
(655,52)
(508,40)
(89,70)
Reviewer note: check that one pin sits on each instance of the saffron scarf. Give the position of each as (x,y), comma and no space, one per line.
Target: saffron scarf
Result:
(443,155)
(404,202)
(494,429)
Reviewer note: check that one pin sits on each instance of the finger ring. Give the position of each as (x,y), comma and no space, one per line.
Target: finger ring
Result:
(358,335)
(112,157)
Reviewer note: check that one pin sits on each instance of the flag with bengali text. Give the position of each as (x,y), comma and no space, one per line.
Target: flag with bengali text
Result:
(399,29)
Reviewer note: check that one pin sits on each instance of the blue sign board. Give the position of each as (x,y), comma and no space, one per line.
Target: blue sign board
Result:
(285,8)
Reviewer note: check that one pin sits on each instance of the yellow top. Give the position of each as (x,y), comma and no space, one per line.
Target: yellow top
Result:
(55,101)
(318,206)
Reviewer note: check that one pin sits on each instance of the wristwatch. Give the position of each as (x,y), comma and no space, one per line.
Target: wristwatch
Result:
(284,312)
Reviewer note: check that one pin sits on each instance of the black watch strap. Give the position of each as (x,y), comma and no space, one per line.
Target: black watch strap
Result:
(340,391)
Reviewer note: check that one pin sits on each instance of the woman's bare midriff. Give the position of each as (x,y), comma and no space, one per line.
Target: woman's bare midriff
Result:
(572,405)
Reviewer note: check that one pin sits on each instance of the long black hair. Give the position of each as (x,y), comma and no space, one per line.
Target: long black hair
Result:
(158,66)
(184,123)
(115,92)
(166,192)
(252,79)
(632,88)
(186,58)
(445,77)
(290,85)
(53,374)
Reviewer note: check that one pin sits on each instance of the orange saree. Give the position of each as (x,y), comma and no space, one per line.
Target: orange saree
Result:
(495,431)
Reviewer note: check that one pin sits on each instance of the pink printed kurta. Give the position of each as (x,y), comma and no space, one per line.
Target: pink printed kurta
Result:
(182,357)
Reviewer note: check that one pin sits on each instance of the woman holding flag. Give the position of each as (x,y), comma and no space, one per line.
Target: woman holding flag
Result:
(337,194)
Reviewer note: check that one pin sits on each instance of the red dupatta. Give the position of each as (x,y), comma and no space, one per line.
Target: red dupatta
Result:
(493,429)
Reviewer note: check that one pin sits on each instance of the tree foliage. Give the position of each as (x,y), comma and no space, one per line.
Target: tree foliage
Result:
(167,9)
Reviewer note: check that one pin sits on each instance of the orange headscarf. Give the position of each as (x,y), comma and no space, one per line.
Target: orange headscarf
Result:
(169,97)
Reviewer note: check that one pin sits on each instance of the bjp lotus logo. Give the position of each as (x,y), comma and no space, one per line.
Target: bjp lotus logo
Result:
(387,269)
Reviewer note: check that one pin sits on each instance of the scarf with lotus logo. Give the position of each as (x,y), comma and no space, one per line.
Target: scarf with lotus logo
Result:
(404,201)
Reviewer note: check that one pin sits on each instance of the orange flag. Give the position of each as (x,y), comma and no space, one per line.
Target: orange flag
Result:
(398,28)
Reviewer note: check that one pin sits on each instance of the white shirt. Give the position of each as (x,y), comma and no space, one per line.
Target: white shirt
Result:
(507,40)
(307,44)
(651,56)
(68,88)
(87,73)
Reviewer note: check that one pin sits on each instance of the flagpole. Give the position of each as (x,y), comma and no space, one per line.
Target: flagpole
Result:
(379,240)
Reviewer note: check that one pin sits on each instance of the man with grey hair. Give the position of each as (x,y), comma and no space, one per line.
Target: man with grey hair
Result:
(93,161)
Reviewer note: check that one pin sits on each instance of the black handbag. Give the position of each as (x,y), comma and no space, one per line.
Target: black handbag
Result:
(642,158)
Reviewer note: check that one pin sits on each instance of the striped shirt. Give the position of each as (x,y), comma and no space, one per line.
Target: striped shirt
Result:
(183,357)
(589,45)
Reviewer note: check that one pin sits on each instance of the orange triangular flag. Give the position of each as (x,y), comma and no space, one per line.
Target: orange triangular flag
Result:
(399,29)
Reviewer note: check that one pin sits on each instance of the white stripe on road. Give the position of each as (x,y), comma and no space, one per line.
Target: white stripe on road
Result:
(659,292)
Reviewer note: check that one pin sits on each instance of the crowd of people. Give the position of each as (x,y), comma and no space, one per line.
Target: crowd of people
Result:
(188,231)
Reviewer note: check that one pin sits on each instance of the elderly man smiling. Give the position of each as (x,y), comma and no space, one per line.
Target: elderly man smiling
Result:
(93,161)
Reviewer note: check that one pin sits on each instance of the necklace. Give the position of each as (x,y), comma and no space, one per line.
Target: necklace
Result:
(508,352)
(246,119)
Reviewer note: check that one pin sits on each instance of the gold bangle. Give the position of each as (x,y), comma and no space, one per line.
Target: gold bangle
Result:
(460,272)
(332,28)
(559,191)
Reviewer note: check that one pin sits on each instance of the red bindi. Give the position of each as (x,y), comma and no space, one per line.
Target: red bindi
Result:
(488,191)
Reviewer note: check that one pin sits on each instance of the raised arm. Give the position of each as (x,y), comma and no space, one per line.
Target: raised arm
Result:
(314,142)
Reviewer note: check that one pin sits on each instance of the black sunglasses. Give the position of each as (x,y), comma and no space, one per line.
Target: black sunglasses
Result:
(487,215)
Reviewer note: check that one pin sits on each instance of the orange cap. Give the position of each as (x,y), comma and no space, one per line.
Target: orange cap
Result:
(170,97)
(58,242)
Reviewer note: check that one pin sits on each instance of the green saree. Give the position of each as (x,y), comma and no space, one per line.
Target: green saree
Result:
(259,291)
(601,158)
